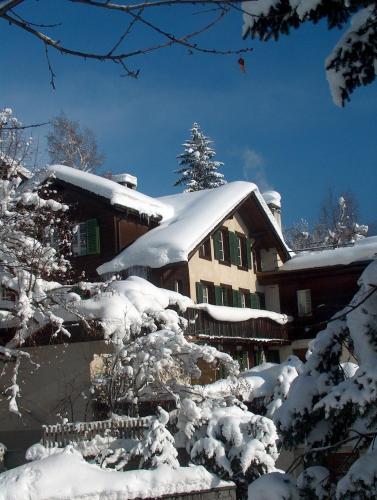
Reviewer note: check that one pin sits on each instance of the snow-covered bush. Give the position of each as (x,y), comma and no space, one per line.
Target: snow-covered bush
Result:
(328,406)
(31,249)
(152,359)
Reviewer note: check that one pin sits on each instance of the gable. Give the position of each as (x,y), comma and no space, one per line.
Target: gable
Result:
(195,216)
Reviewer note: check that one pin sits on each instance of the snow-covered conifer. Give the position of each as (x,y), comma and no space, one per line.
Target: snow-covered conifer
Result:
(198,169)
(157,446)
(329,406)
(237,445)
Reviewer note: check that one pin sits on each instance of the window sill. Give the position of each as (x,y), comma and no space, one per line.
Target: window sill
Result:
(225,262)
(243,268)
(205,257)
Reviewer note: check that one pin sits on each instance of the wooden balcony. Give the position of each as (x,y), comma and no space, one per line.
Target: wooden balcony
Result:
(259,330)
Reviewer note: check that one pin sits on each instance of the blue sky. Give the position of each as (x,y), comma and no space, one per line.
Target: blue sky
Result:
(275,125)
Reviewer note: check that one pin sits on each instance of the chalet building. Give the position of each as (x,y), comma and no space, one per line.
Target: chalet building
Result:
(208,245)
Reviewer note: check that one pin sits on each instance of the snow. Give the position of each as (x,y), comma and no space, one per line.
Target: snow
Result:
(126,306)
(235,314)
(268,380)
(188,219)
(272,198)
(274,486)
(359,33)
(117,195)
(67,476)
(362,250)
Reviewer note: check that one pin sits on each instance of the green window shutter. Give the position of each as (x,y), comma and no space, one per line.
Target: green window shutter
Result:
(236,298)
(218,296)
(199,293)
(249,254)
(93,236)
(217,245)
(233,248)
(254,301)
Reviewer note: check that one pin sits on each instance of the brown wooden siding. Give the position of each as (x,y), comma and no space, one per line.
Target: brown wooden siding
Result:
(117,229)
(331,290)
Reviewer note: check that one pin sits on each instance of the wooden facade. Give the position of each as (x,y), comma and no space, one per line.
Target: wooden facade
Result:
(118,227)
(331,289)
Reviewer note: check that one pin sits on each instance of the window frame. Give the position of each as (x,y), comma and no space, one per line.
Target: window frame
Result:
(92,246)
(304,306)
(205,251)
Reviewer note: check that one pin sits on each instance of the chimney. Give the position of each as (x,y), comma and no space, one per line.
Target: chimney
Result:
(126,180)
(273,200)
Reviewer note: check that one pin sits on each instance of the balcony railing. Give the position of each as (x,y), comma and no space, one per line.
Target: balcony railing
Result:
(200,323)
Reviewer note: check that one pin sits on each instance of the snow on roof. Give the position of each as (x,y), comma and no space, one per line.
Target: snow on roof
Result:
(272,198)
(362,250)
(234,314)
(130,179)
(114,192)
(189,218)
(67,475)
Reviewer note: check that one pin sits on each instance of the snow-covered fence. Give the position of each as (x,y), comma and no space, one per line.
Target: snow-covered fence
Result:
(73,432)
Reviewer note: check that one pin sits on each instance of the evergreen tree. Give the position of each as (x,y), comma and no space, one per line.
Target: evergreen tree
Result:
(198,169)
(331,404)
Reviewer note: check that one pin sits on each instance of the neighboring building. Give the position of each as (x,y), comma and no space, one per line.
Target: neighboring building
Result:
(314,286)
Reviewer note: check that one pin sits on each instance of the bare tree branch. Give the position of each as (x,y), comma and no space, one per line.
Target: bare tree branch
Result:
(135,11)
(7,5)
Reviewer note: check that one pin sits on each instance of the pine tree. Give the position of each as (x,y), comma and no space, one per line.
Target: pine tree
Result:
(329,406)
(198,169)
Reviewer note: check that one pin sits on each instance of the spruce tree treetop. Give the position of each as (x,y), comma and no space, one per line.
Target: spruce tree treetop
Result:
(198,169)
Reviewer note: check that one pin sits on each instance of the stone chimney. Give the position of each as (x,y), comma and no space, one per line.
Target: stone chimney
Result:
(273,200)
(127,180)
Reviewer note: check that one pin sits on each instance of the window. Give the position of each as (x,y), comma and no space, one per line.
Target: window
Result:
(86,238)
(204,293)
(223,295)
(5,293)
(254,301)
(242,300)
(304,302)
(218,241)
(178,286)
(240,250)
(205,250)
(239,245)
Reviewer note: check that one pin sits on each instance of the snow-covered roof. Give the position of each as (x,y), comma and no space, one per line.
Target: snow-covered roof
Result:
(117,194)
(235,314)
(188,219)
(362,250)
(272,198)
